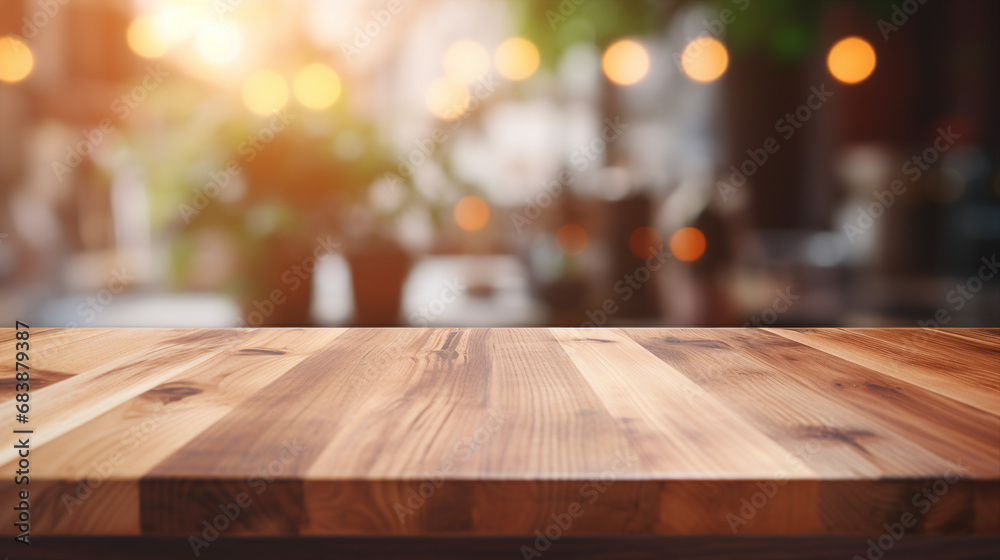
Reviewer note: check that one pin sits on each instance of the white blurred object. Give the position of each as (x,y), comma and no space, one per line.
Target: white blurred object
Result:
(333,296)
(437,293)
(827,248)
(104,309)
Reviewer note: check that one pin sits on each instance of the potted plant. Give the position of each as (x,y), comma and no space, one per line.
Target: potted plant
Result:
(272,194)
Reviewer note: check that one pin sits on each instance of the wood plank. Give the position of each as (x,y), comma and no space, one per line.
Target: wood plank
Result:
(289,428)
(502,432)
(85,350)
(8,335)
(461,381)
(798,506)
(116,448)
(917,356)
(39,379)
(59,354)
(990,337)
(968,437)
(830,436)
(669,430)
(507,404)
(59,408)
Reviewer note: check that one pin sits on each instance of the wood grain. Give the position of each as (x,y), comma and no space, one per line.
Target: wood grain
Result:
(918,356)
(503,432)
(116,448)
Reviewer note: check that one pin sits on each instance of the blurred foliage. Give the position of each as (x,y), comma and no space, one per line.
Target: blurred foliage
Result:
(787,30)
(554,25)
(293,182)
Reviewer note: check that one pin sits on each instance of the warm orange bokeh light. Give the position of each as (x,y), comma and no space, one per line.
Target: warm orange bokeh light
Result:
(146,38)
(645,242)
(572,239)
(625,62)
(466,61)
(16,60)
(472,213)
(851,60)
(517,58)
(705,59)
(688,244)
(265,92)
(317,86)
(446,98)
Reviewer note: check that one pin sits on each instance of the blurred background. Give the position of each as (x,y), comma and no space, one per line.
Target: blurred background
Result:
(499,163)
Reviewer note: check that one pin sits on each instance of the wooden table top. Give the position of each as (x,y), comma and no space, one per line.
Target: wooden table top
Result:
(508,431)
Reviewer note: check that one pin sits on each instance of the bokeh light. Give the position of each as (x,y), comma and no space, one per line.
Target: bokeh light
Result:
(265,92)
(317,86)
(572,239)
(466,61)
(219,43)
(472,213)
(645,242)
(851,60)
(705,59)
(177,20)
(625,62)
(16,60)
(447,98)
(688,244)
(145,37)
(516,58)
